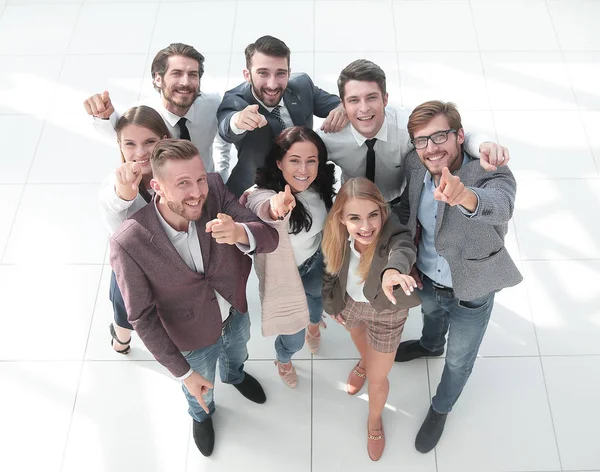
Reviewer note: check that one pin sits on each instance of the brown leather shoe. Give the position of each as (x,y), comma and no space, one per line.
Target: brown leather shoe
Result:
(356,379)
(375,443)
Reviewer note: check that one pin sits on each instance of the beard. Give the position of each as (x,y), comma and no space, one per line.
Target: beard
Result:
(183,103)
(186,211)
(266,99)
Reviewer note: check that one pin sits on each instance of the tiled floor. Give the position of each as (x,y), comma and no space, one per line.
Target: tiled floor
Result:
(527,72)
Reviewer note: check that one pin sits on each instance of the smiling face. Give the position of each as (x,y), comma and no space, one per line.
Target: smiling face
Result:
(182,185)
(365,106)
(269,77)
(437,156)
(363,220)
(300,165)
(136,144)
(180,84)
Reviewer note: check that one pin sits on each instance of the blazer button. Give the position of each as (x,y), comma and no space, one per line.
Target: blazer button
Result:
(214,300)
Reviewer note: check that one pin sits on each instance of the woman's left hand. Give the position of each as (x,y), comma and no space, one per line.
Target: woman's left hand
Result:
(392,278)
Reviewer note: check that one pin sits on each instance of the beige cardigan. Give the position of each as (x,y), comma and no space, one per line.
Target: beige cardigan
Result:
(282,296)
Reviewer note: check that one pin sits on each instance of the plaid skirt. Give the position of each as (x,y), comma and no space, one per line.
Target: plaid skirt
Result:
(383,329)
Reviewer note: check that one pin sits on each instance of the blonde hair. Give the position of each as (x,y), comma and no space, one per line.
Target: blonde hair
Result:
(335,233)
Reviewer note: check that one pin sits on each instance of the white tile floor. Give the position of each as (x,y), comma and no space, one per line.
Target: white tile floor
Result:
(525,71)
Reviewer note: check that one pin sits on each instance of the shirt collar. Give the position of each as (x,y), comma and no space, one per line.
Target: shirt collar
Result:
(381,134)
(172,233)
(352,248)
(172,118)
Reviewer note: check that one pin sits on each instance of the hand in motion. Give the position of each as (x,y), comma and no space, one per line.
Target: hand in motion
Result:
(339,318)
(282,204)
(336,120)
(249,118)
(226,231)
(198,386)
(453,192)
(99,105)
(492,156)
(391,279)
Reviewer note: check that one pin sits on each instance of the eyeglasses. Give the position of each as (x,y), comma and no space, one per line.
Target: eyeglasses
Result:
(440,137)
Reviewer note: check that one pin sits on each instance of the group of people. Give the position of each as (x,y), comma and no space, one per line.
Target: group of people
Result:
(420,219)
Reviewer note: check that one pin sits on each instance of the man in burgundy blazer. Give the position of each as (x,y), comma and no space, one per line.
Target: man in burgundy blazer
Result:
(182,267)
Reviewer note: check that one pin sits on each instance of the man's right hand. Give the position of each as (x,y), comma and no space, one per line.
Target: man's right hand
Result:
(198,386)
(99,106)
(249,119)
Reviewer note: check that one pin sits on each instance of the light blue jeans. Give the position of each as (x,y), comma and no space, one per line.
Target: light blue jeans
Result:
(311,273)
(466,323)
(231,352)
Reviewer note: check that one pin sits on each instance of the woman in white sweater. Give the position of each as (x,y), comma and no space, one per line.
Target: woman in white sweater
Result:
(294,193)
(127,190)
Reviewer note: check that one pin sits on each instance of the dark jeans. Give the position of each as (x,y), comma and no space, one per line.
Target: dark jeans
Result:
(466,323)
(118,304)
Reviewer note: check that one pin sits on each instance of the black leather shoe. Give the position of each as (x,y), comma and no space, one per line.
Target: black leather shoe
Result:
(409,350)
(204,436)
(251,389)
(431,431)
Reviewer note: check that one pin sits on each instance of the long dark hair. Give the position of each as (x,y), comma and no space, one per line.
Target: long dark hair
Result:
(146,117)
(270,177)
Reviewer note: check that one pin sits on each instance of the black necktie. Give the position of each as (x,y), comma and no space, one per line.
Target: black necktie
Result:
(277,115)
(183,131)
(370,159)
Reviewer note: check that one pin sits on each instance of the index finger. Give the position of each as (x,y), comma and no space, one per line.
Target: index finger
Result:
(224,217)
(210,224)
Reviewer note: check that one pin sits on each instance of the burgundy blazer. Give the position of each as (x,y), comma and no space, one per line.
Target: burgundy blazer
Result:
(172,307)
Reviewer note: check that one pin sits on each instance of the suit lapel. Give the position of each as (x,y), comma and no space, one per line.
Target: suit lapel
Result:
(205,238)
(292,103)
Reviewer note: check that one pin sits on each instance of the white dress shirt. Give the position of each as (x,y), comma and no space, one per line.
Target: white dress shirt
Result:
(187,245)
(348,150)
(354,284)
(201,123)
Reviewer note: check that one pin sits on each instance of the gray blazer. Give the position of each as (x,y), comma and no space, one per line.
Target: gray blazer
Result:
(474,247)
(302,99)
(395,250)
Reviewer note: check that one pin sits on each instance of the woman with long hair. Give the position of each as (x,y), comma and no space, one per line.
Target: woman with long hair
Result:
(368,254)
(294,191)
(125,191)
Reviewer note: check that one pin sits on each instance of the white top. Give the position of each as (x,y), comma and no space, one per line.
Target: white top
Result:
(354,285)
(114,209)
(283,112)
(201,123)
(348,150)
(306,243)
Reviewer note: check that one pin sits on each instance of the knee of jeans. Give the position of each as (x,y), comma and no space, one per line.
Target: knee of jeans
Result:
(462,364)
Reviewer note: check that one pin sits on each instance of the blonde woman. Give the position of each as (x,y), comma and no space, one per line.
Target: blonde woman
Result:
(368,255)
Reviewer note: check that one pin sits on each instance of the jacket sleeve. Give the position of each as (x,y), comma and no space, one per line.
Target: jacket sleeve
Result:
(496,192)
(231,104)
(402,253)
(329,282)
(266,237)
(323,102)
(141,310)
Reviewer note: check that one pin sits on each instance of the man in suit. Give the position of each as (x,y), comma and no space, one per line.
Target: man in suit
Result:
(181,265)
(176,71)
(255,112)
(459,213)
(376,142)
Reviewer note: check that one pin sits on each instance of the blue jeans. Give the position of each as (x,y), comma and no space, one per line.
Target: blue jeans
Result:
(466,323)
(231,352)
(120,314)
(311,273)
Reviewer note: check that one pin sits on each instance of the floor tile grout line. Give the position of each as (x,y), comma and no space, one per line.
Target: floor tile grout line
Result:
(83,364)
(64,58)
(569,76)
(149,50)
(551,413)
(394,26)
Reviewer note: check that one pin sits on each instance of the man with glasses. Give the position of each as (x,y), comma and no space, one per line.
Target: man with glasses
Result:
(376,142)
(459,214)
